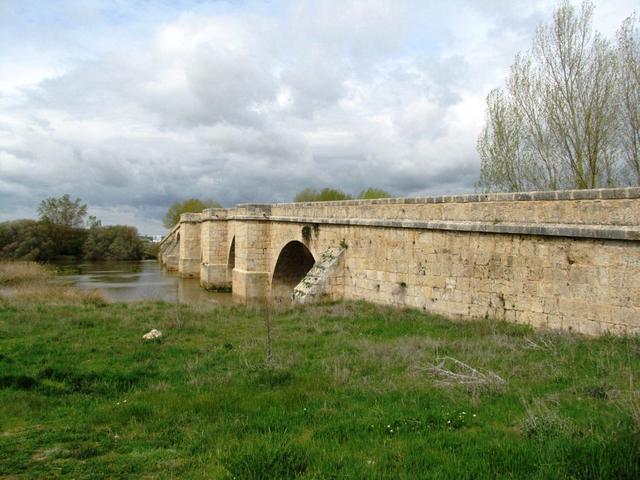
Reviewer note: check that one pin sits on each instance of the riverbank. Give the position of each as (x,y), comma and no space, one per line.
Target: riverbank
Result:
(343,390)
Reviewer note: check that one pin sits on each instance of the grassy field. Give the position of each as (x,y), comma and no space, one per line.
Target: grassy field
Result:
(349,390)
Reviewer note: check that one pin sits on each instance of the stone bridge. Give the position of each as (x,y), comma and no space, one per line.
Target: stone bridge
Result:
(566,259)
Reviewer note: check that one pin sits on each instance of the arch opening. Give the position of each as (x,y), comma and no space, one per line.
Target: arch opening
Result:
(294,262)
(231,260)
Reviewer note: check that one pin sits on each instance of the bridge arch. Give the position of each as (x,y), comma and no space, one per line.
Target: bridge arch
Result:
(294,262)
(231,259)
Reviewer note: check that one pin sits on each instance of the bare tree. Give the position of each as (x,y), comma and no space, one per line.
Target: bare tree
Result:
(629,94)
(499,146)
(555,125)
(527,90)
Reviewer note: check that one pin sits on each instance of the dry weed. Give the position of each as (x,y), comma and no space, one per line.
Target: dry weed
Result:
(32,282)
(16,273)
(450,371)
(543,420)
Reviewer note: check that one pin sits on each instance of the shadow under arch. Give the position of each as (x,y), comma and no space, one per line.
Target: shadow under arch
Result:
(231,260)
(294,262)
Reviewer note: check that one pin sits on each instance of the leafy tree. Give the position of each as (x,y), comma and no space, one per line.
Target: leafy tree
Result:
(114,242)
(192,205)
(372,193)
(324,195)
(63,219)
(556,125)
(63,211)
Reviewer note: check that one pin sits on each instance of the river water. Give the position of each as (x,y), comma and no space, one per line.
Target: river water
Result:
(134,281)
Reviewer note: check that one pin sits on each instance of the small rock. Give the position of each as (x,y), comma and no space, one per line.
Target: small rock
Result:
(152,335)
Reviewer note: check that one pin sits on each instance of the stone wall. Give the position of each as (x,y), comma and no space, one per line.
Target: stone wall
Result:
(566,259)
(591,286)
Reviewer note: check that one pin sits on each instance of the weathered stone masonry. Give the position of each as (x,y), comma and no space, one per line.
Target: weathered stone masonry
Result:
(567,259)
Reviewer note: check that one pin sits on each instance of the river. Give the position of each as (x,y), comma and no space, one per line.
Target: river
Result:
(134,281)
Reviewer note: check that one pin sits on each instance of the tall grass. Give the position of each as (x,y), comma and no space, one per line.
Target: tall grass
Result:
(18,272)
(31,282)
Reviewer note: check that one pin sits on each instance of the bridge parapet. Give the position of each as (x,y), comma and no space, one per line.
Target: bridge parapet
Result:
(170,235)
(614,207)
(190,218)
(169,249)
(251,211)
(213,214)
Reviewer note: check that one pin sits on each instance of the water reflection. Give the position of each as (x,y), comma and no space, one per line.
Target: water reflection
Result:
(134,281)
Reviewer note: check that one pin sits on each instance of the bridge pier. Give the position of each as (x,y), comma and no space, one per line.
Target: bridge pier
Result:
(213,244)
(189,256)
(251,275)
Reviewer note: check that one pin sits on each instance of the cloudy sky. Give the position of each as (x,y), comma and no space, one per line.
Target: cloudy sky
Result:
(133,104)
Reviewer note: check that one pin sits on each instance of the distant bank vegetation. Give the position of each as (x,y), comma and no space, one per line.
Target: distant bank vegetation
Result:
(191,205)
(194,205)
(329,194)
(62,232)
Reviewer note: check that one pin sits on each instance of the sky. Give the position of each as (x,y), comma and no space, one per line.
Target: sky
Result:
(133,105)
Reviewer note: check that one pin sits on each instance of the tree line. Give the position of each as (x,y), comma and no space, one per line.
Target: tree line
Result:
(61,231)
(194,205)
(330,194)
(64,229)
(569,116)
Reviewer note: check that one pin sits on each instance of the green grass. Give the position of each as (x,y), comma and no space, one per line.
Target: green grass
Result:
(347,394)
